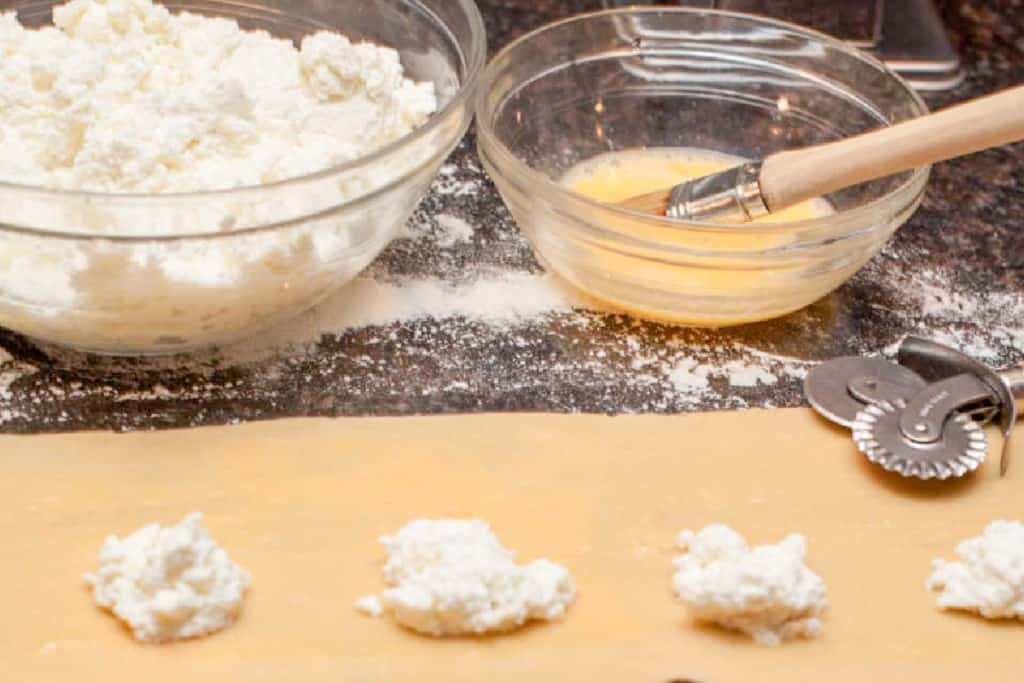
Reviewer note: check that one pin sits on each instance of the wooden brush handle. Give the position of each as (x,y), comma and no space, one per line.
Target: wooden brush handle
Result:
(791,177)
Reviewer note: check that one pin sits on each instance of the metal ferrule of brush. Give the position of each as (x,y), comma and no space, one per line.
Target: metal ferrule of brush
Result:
(731,196)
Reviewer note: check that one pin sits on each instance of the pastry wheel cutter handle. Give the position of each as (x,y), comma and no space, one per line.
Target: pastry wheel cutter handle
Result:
(1014,381)
(965,380)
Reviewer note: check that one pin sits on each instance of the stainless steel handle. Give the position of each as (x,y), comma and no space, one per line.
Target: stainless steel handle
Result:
(1014,379)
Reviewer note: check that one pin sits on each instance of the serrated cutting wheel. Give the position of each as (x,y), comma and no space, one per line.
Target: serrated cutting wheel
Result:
(958,451)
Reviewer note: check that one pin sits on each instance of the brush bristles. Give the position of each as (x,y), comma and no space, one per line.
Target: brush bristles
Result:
(654,203)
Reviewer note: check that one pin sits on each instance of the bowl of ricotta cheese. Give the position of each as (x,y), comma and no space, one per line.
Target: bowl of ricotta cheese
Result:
(185,175)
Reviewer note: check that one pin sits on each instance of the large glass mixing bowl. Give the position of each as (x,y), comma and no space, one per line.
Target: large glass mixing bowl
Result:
(675,77)
(144,274)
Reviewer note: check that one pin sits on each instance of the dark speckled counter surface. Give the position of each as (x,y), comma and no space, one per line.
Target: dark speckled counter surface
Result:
(955,272)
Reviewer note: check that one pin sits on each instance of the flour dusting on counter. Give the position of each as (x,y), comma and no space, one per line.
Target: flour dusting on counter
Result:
(454,231)
(689,377)
(450,184)
(500,300)
(11,371)
(548,352)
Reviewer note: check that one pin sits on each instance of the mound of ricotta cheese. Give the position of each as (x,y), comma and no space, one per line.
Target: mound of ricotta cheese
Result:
(169,583)
(453,577)
(989,578)
(766,591)
(123,96)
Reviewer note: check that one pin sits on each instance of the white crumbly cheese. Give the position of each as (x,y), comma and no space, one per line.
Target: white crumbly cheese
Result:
(766,591)
(370,605)
(453,577)
(123,96)
(169,583)
(989,578)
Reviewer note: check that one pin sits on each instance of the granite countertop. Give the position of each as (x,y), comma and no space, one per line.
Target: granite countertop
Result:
(954,272)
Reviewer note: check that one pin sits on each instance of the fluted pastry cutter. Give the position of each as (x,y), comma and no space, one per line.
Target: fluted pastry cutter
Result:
(921,416)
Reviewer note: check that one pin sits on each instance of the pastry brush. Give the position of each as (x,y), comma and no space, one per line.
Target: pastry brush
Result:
(756,189)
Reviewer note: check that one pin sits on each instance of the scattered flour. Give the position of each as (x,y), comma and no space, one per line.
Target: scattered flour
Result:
(444,231)
(497,299)
(500,299)
(981,326)
(938,300)
(169,583)
(742,374)
(10,372)
(448,183)
(776,366)
(989,578)
(766,592)
(453,577)
(688,377)
(454,230)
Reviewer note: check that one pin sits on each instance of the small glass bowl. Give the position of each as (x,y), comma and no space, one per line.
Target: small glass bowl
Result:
(676,77)
(154,274)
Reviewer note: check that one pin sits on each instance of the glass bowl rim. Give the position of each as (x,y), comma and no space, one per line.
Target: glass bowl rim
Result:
(575,200)
(474,59)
